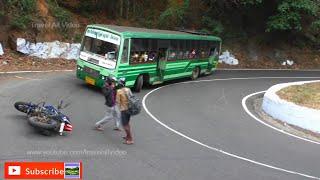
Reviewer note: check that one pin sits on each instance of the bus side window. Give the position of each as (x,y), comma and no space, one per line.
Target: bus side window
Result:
(173,50)
(187,49)
(134,51)
(124,57)
(182,46)
(143,51)
(196,45)
(203,53)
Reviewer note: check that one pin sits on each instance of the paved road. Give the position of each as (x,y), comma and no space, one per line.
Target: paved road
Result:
(209,112)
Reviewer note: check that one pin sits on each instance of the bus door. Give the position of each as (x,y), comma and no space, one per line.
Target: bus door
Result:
(211,58)
(161,62)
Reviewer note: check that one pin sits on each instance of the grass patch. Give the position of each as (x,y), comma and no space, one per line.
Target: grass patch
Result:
(78,38)
(21,22)
(22,6)
(2,14)
(307,95)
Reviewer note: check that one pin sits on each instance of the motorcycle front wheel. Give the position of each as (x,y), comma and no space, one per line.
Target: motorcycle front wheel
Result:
(21,106)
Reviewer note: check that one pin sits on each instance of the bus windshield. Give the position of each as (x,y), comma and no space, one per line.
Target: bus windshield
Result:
(99,47)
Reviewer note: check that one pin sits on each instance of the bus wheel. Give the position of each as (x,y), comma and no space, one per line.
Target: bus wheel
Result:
(139,83)
(195,73)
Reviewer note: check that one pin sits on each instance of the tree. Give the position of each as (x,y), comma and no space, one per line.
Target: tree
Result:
(291,13)
(174,15)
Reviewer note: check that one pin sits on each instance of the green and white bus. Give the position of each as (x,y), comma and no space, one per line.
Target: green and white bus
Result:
(144,56)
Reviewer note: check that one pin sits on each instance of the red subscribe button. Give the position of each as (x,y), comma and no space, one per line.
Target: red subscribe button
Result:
(43,170)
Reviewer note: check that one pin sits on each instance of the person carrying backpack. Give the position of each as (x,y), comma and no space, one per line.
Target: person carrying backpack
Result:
(112,111)
(123,94)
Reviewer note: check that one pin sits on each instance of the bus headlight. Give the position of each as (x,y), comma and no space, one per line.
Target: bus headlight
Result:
(79,68)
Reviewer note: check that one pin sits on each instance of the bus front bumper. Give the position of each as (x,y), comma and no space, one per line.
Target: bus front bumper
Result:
(89,79)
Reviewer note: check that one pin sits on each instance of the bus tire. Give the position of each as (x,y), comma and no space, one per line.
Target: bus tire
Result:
(195,73)
(139,83)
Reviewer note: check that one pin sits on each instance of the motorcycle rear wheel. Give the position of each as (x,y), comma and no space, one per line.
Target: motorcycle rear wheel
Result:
(21,106)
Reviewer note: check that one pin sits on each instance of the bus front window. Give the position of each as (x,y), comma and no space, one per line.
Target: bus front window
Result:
(102,48)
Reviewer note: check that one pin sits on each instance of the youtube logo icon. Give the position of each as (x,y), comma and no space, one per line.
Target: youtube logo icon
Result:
(14,170)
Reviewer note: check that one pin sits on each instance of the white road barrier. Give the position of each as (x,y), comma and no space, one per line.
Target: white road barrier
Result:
(47,50)
(1,50)
(289,112)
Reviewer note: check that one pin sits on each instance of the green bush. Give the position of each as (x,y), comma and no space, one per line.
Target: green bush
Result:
(86,7)
(316,25)
(290,15)
(23,6)
(21,22)
(78,38)
(213,26)
(20,13)
(174,15)
(28,6)
(62,16)
(2,14)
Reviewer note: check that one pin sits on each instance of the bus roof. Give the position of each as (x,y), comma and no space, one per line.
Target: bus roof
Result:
(134,32)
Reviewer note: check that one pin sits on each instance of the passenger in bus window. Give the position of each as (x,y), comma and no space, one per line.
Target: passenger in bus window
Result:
(152,56)
(180,55)
(135,57)
(203,53)
(186,55)
(192,54)
(100,48)
(172,55)
(141,57)
(145,56)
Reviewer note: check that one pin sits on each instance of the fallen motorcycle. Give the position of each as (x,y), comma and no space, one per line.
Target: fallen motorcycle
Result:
(46,118)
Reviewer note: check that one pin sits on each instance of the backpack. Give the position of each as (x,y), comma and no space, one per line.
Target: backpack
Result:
(134,104)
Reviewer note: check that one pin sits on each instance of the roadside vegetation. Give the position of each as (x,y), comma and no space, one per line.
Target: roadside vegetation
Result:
(307,95)
(294,21)
(62,16)
(297,21)
(260,33)
(21,12)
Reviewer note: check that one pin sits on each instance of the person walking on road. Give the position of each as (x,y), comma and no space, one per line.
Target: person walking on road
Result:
(112,111)
(122,99)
